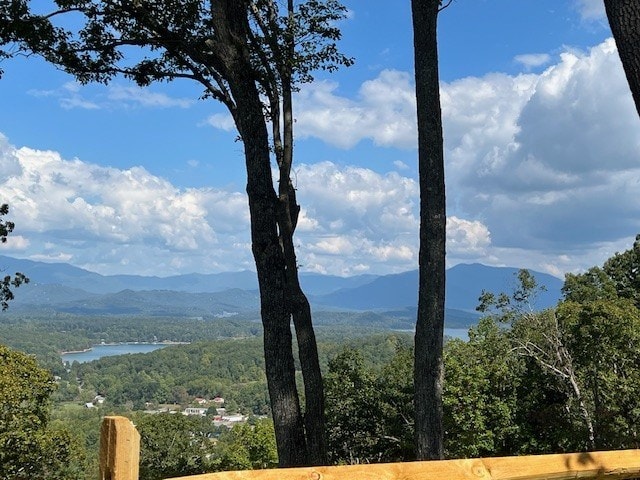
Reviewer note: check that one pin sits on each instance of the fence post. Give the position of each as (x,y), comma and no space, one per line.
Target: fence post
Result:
(119,449)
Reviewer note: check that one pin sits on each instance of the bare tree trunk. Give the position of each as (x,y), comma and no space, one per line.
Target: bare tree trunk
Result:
(624,20)
(314,418)
(428,374)
(264,207)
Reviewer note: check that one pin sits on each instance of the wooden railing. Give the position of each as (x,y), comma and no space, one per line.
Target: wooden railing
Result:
(120,452)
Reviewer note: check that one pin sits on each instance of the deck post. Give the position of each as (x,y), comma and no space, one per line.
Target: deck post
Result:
(119,449)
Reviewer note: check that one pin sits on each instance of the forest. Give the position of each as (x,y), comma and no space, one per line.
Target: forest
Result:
(526,381)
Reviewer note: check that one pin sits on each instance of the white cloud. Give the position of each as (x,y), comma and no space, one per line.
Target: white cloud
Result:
(73,95)
(400,165)
(569,173)
(467,238)
(546,162)
(144,97)
(104,216)
(532,60)
(543,171)
(9,163)
(590,9)
(221,121)
(69,97)
(15,243)
(384,112)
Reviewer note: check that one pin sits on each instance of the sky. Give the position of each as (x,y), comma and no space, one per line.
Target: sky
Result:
(542,152)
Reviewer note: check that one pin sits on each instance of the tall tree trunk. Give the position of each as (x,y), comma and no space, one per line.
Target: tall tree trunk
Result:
(264,207)
(428,375)
(624,20)
(300,309)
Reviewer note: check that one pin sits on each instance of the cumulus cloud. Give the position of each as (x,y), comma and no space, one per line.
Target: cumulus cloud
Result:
(384,112)
(543,172)
(568,175)
(9,163)
(87,212)
(546,162)
(465,238)
(354,220)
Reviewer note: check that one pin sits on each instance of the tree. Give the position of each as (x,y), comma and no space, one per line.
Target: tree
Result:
(354,411)
(428,373)
(604,339)
(619,277)
(481,393)
(369,412)
(541,337)
(239,52)
(29,448)
(6,283)
(624,20)
(172,446)
(247,446)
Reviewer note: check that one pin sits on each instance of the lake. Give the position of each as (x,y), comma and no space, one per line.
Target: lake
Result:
(99,351)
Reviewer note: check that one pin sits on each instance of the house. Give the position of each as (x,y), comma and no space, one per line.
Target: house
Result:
(195,411)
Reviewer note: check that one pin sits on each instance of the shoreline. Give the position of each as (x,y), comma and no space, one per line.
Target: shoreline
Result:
(77,351)
(113,344)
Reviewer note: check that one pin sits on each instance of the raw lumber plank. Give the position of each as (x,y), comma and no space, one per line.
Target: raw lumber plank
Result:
(119,449)
(622,464)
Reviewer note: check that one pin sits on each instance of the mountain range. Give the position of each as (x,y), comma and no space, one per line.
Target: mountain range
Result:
(60,287)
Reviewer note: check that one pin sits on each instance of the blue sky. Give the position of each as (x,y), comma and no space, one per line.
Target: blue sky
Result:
(542,153)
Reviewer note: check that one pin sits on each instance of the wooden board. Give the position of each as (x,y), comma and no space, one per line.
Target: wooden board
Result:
(622,464)
(119,449)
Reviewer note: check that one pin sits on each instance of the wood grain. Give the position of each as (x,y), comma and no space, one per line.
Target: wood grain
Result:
(119,449)
(622,464)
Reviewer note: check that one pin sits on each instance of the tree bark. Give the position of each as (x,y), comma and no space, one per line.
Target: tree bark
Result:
(624,20)
(314,418)
(231,28)
(428,374)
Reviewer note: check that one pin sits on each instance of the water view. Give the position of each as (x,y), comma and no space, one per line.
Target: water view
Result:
(99,351)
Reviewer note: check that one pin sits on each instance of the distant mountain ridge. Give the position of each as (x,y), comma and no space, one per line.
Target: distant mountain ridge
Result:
(69,276)
(465,283)
(60,287)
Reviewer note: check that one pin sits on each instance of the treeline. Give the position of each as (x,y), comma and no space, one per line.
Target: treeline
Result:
(564,379)
(46,336)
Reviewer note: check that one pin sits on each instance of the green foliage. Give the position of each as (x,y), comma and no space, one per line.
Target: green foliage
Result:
(85,425)
(605,343)
(247,446)
(233,369)
(480,396)
(172,445)
(619,277)
(29,447)
(176,40)
(508,307)
(6,283)
(354,410)
(370,406)
(590,286)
